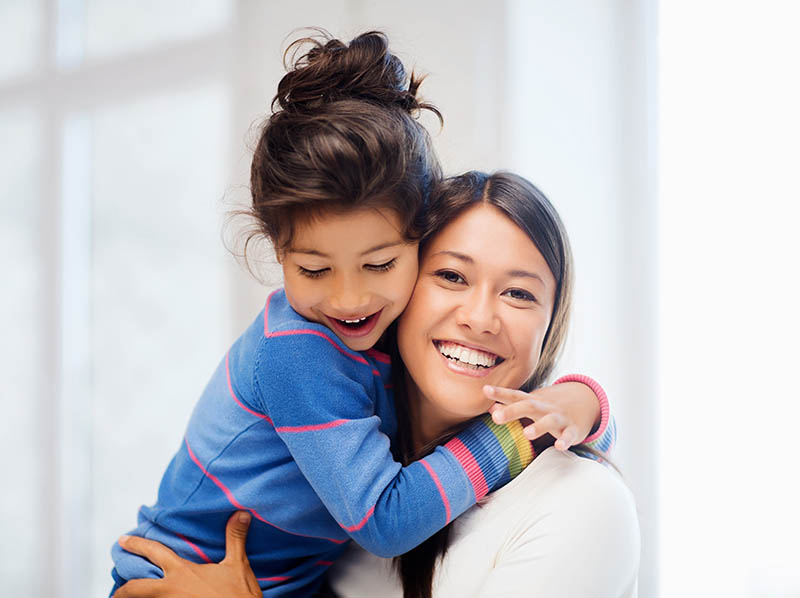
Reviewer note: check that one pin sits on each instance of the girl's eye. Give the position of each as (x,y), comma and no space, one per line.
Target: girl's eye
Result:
(521,295)
(382,267)
(311,273)
(450,276)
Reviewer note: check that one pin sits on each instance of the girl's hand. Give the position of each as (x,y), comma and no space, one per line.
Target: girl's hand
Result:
(567,411)
(230,578)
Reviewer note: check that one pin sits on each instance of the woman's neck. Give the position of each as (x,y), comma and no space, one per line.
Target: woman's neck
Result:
(428,424)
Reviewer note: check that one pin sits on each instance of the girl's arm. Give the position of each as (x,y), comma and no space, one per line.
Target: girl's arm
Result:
(322,405)
(573,410)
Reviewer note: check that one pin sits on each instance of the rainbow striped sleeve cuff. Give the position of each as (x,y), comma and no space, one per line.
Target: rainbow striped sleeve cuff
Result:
(491,455)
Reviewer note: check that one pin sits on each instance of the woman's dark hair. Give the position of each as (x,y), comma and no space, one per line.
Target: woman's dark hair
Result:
(532,212)
(343,135)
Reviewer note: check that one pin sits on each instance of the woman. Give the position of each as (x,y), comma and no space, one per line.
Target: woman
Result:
(496,278)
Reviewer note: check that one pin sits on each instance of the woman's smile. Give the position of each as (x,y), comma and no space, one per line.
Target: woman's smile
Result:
(466,359)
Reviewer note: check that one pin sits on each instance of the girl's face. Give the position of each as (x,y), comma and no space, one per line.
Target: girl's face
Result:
(478,315)
(352,272)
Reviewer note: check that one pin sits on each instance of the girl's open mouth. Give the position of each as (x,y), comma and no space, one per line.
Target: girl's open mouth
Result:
(356,327)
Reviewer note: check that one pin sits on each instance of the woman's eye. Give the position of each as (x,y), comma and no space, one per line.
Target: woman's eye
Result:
(520,294)
(450,276)
(382,267)
(311,273)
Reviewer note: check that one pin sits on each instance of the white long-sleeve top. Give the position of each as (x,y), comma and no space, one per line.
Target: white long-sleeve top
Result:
(566,527)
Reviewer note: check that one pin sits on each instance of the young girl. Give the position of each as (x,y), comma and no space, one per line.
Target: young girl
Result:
(295,425)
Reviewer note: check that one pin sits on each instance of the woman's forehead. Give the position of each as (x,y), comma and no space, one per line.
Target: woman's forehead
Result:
(486,238)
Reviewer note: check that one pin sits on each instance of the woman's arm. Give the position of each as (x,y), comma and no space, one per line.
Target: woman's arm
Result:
(230,578)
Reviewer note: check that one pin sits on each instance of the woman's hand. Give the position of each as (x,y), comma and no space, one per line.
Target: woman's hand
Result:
(567,411)
(230,578)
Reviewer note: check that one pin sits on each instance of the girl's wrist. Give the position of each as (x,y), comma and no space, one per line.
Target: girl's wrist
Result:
(602,399)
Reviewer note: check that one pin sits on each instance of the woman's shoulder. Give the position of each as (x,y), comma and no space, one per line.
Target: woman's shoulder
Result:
(581,489)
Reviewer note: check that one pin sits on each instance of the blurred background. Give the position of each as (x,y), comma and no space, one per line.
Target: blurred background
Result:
(665,133)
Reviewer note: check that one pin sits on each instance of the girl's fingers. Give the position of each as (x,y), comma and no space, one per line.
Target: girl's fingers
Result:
(236,537)
(530,408)
(140,588)
(155,552)
(568,438)
(552,423)
(507,396)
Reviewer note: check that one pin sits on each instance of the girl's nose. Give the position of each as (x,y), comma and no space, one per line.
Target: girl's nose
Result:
(349,297)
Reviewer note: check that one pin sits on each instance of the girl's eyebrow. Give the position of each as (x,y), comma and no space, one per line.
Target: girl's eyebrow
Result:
(382,246)
(325,255)
(511,273)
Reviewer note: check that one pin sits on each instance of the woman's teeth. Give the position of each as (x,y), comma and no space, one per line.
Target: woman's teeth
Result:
(466,356)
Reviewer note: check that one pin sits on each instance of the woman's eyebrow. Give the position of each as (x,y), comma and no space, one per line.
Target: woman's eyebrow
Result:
(459,256)
(526,274)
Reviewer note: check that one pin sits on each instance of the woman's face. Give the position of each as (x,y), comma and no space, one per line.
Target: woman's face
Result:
(478,314)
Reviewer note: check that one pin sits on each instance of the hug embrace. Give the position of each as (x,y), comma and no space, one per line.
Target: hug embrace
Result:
(395,391)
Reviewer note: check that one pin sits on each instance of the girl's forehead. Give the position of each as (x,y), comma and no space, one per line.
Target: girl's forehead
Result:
(357,231)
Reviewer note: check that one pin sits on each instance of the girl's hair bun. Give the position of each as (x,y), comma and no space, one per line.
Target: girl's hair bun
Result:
(331,70)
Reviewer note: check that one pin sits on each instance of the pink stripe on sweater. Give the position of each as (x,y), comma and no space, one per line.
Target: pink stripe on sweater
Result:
(442,493)
(233,394)
(360,524)
(312,427)
(356,358)
(277,578)
(379,356)
(240,506)
(471,467)
(194,547)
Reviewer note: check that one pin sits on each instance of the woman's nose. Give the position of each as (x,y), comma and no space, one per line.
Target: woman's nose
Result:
(479,314)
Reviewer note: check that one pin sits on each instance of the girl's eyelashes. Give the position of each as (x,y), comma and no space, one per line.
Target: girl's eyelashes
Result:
(450,276)
(521,295)
(382,267)
(311,273)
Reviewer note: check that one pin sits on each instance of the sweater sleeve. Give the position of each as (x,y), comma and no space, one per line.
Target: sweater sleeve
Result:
(325,414)
(604,437)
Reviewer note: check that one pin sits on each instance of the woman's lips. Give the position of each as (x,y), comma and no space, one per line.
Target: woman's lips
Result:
(459,355)
(355,330)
